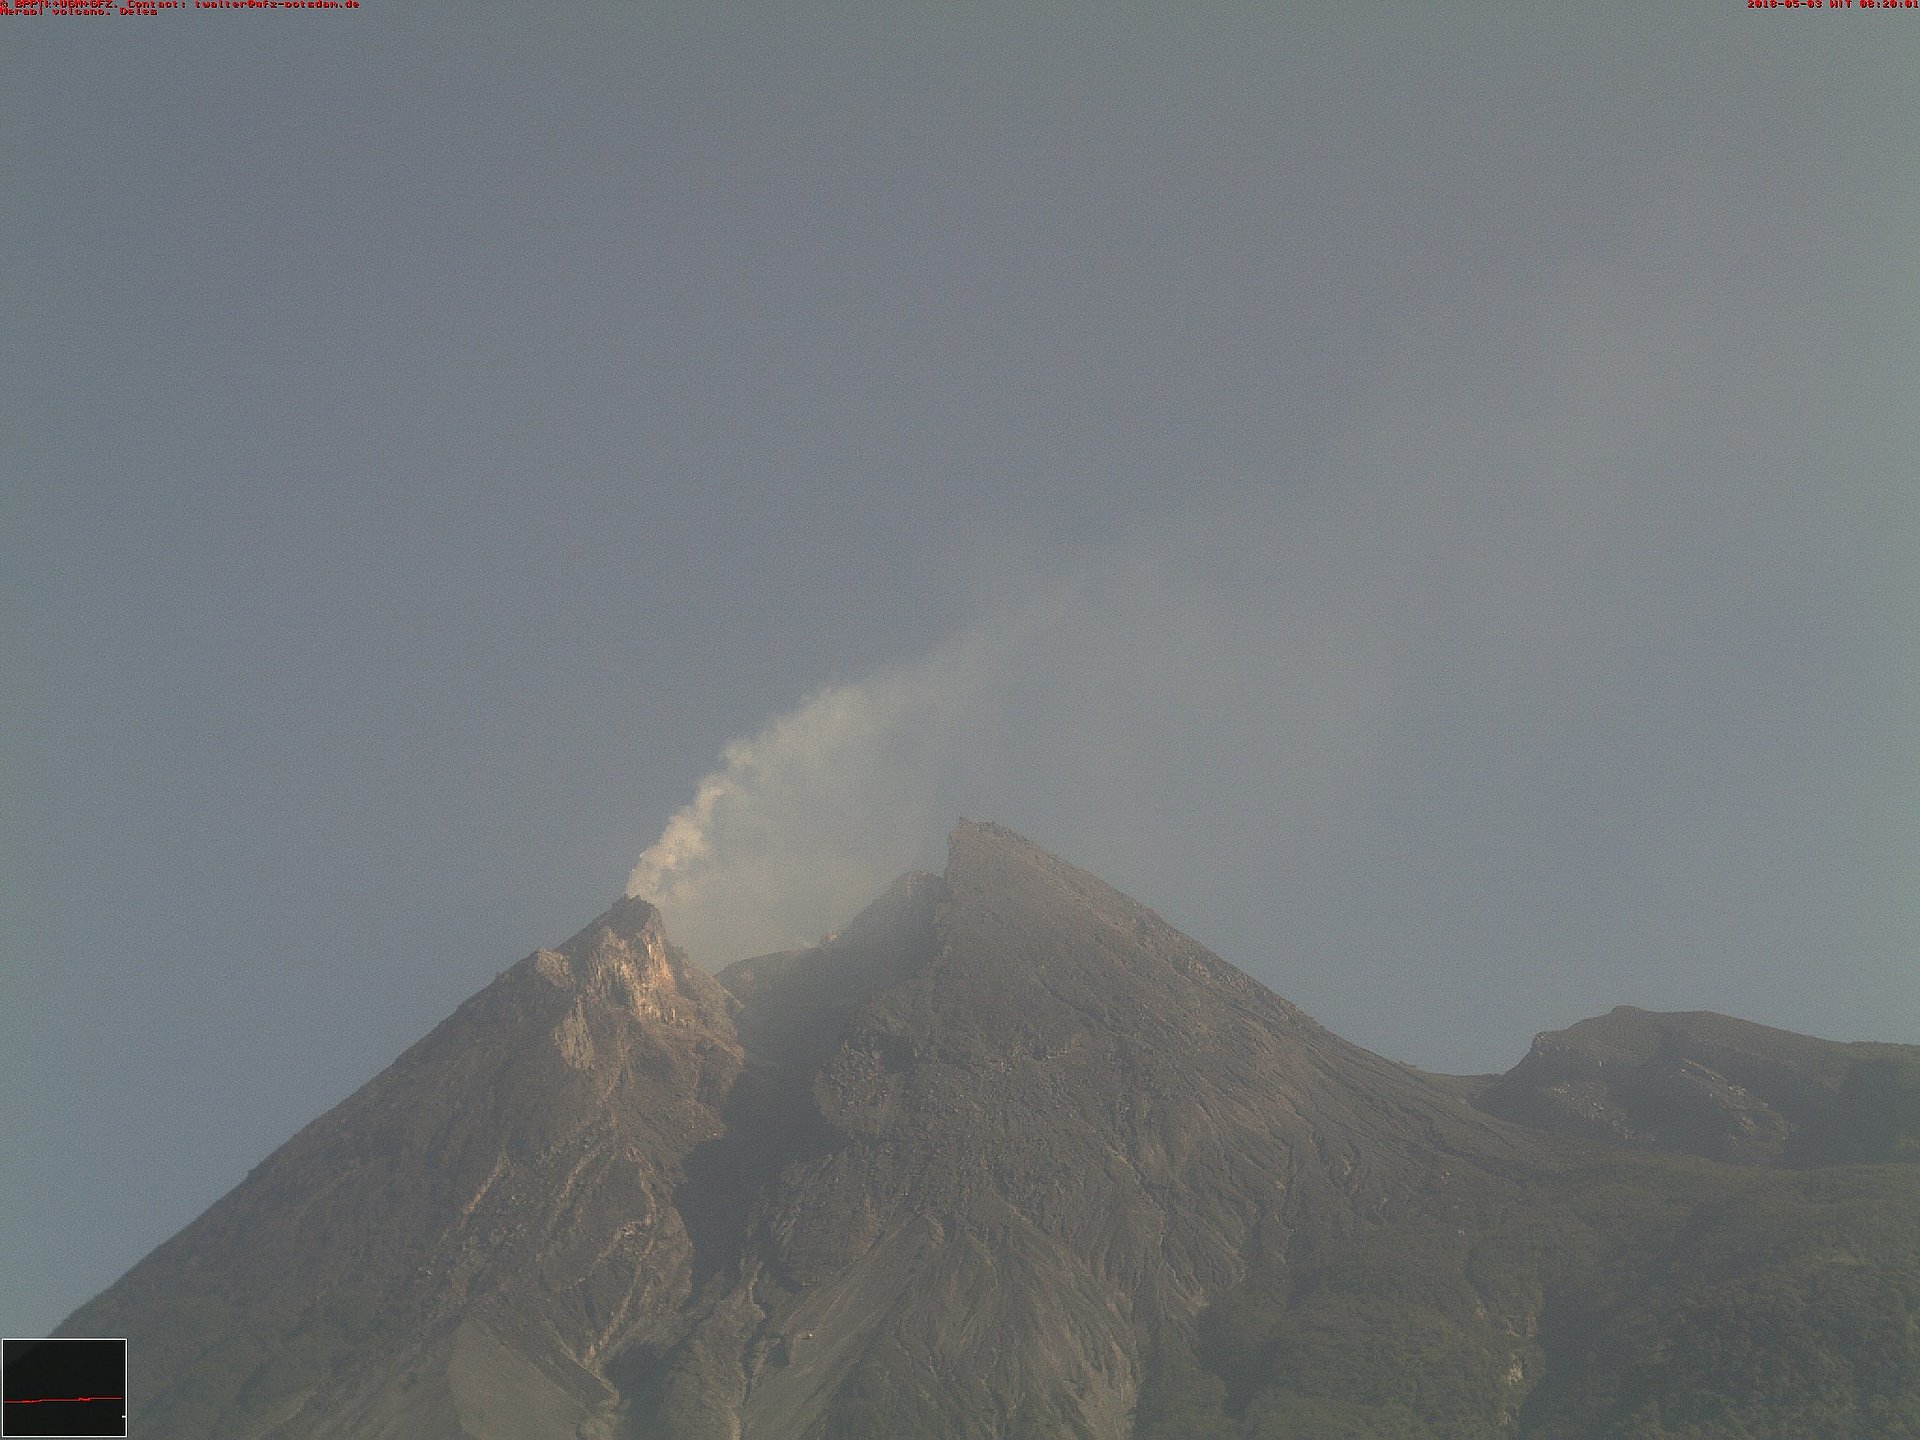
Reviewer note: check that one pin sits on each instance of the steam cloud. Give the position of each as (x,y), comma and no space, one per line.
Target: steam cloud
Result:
(1092,712)
(804,821)
(1498,706)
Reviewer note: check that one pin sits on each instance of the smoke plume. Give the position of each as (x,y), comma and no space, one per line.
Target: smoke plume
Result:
(1540,677)
(804,821)
(1105,713)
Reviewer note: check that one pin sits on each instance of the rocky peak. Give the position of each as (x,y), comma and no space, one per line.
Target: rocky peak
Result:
(625,960)
(1031,917)
(1009,1156)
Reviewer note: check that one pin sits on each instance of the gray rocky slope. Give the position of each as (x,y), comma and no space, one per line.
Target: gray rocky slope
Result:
(975,1166)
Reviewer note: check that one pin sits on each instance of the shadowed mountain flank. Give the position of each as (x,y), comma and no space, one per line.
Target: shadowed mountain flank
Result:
(794,1005)
(504,1188)
(1715,1086)
(1008,1156)
(791,1011)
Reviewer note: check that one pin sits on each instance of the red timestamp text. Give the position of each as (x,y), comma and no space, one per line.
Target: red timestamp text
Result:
(157,7)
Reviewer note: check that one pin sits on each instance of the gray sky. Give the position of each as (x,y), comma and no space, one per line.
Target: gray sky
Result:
(1428,503)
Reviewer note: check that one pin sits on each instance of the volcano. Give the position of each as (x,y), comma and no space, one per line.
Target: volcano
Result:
(1010,1156)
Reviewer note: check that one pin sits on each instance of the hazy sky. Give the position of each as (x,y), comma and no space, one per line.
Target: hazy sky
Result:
(1428,500)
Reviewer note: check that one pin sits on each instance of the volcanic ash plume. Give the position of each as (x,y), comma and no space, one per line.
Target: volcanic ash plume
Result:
(806,820)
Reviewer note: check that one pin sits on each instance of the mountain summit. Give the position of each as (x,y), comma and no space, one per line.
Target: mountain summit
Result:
(1010,1156)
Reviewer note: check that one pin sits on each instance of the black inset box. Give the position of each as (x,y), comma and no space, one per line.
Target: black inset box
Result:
(63,1387)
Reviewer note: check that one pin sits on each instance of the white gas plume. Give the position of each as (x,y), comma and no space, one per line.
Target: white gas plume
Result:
(807,819)
(1490,688)
(1094,711)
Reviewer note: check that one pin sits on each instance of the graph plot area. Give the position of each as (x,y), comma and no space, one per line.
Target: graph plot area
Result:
(63,1387)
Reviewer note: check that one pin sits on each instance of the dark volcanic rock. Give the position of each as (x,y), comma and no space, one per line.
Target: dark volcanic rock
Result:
(464,1237)
(1009,1156)
(1715,1086)
(1055,1134)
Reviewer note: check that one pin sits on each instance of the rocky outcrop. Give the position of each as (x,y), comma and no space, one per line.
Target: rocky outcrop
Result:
(504,1189)
(1719,1087)
(1010,1156)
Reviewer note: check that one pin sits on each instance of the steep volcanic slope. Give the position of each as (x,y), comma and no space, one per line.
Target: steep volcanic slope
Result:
(1008,1157)
(1053,1131)
(449,1251)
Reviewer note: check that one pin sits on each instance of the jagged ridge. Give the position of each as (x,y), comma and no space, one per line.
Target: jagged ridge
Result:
(1010,1156)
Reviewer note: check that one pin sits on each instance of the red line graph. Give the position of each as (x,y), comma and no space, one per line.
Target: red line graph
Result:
(66,1399)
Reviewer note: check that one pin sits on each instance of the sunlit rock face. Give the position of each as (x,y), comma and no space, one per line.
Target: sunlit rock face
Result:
(623,960)
(1010,1156)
